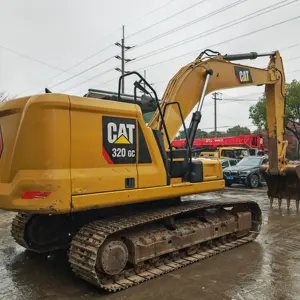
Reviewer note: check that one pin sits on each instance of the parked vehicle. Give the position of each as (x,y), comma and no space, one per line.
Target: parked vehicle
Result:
(224,152)
(246,172)
(228,162)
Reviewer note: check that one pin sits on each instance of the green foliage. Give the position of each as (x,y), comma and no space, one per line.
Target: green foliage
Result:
(217,134)
(201,134)
(292,112)
(234,131)
(258,111)
(238,130)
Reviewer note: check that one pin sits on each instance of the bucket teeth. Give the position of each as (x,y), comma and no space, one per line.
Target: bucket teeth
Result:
(279,202)
(288,203)
(271,202)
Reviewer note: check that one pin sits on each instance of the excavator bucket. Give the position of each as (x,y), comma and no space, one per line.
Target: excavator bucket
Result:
(284,186)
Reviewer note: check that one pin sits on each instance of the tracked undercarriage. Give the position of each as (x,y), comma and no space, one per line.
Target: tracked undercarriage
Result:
(117,252)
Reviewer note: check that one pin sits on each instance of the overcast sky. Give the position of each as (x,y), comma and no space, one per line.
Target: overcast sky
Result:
(42,43)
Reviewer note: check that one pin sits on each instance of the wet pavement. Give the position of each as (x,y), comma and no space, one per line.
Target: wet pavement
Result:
(268,268)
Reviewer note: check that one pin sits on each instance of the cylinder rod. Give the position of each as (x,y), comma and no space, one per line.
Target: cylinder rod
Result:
(250,55)
(209,73)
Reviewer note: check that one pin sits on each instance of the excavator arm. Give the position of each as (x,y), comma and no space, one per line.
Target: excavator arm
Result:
(190,85)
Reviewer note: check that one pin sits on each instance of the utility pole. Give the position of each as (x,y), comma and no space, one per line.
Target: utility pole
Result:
(215,97)
(122,57)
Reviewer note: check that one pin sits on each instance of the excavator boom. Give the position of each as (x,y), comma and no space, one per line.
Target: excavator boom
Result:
(203,76)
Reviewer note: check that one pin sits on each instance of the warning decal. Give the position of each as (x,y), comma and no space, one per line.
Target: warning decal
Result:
(119,140)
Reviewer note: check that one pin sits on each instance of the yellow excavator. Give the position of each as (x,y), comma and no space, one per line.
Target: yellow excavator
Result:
(89,175)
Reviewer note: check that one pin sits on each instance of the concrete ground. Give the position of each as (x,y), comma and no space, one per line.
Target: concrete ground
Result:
(268,268)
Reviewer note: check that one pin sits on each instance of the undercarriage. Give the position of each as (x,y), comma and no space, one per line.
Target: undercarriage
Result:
(122,249)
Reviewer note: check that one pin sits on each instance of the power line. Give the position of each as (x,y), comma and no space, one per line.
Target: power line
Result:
(81,61)
(82,72)
(293,58)
(229,24)
(30,58)
(216,29)
(247,95)
(150,13)
(294,71)
(238,100)
(107,47)
(203,17)
(122,70)
(213,45)
(167,18)
(223,42)
(229,126)
(87,80)
(191,23)
(289,47)
(244,96)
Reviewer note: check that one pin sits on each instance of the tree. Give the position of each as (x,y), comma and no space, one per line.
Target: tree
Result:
(258,111)
(199,134)
(216,134)
(237,130)
(4,96)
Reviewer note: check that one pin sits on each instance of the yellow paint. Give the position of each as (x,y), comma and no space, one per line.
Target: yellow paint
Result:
(176,180)
(54,143)
(122,140)
(117,198)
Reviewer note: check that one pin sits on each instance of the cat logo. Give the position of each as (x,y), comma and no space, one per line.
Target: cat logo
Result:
(121,134)
(119,140)
(243,75)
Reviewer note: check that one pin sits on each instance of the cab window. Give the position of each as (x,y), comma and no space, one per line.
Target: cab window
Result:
(225,164)
(233,162)
(227,153)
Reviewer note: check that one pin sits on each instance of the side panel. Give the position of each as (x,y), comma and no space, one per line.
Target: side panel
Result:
(36,154)
(83,202)
(103,146)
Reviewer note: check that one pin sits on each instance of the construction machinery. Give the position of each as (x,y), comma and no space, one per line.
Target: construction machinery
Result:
(89,175)
(223,152)
(253,142)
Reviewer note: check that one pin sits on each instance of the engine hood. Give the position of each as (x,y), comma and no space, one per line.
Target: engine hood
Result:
(240,168)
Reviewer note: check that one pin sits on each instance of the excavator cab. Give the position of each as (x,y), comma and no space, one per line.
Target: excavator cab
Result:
(178,162)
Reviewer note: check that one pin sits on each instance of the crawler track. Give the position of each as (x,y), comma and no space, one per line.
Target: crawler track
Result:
(18,228)
(84,249)
(35,232)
